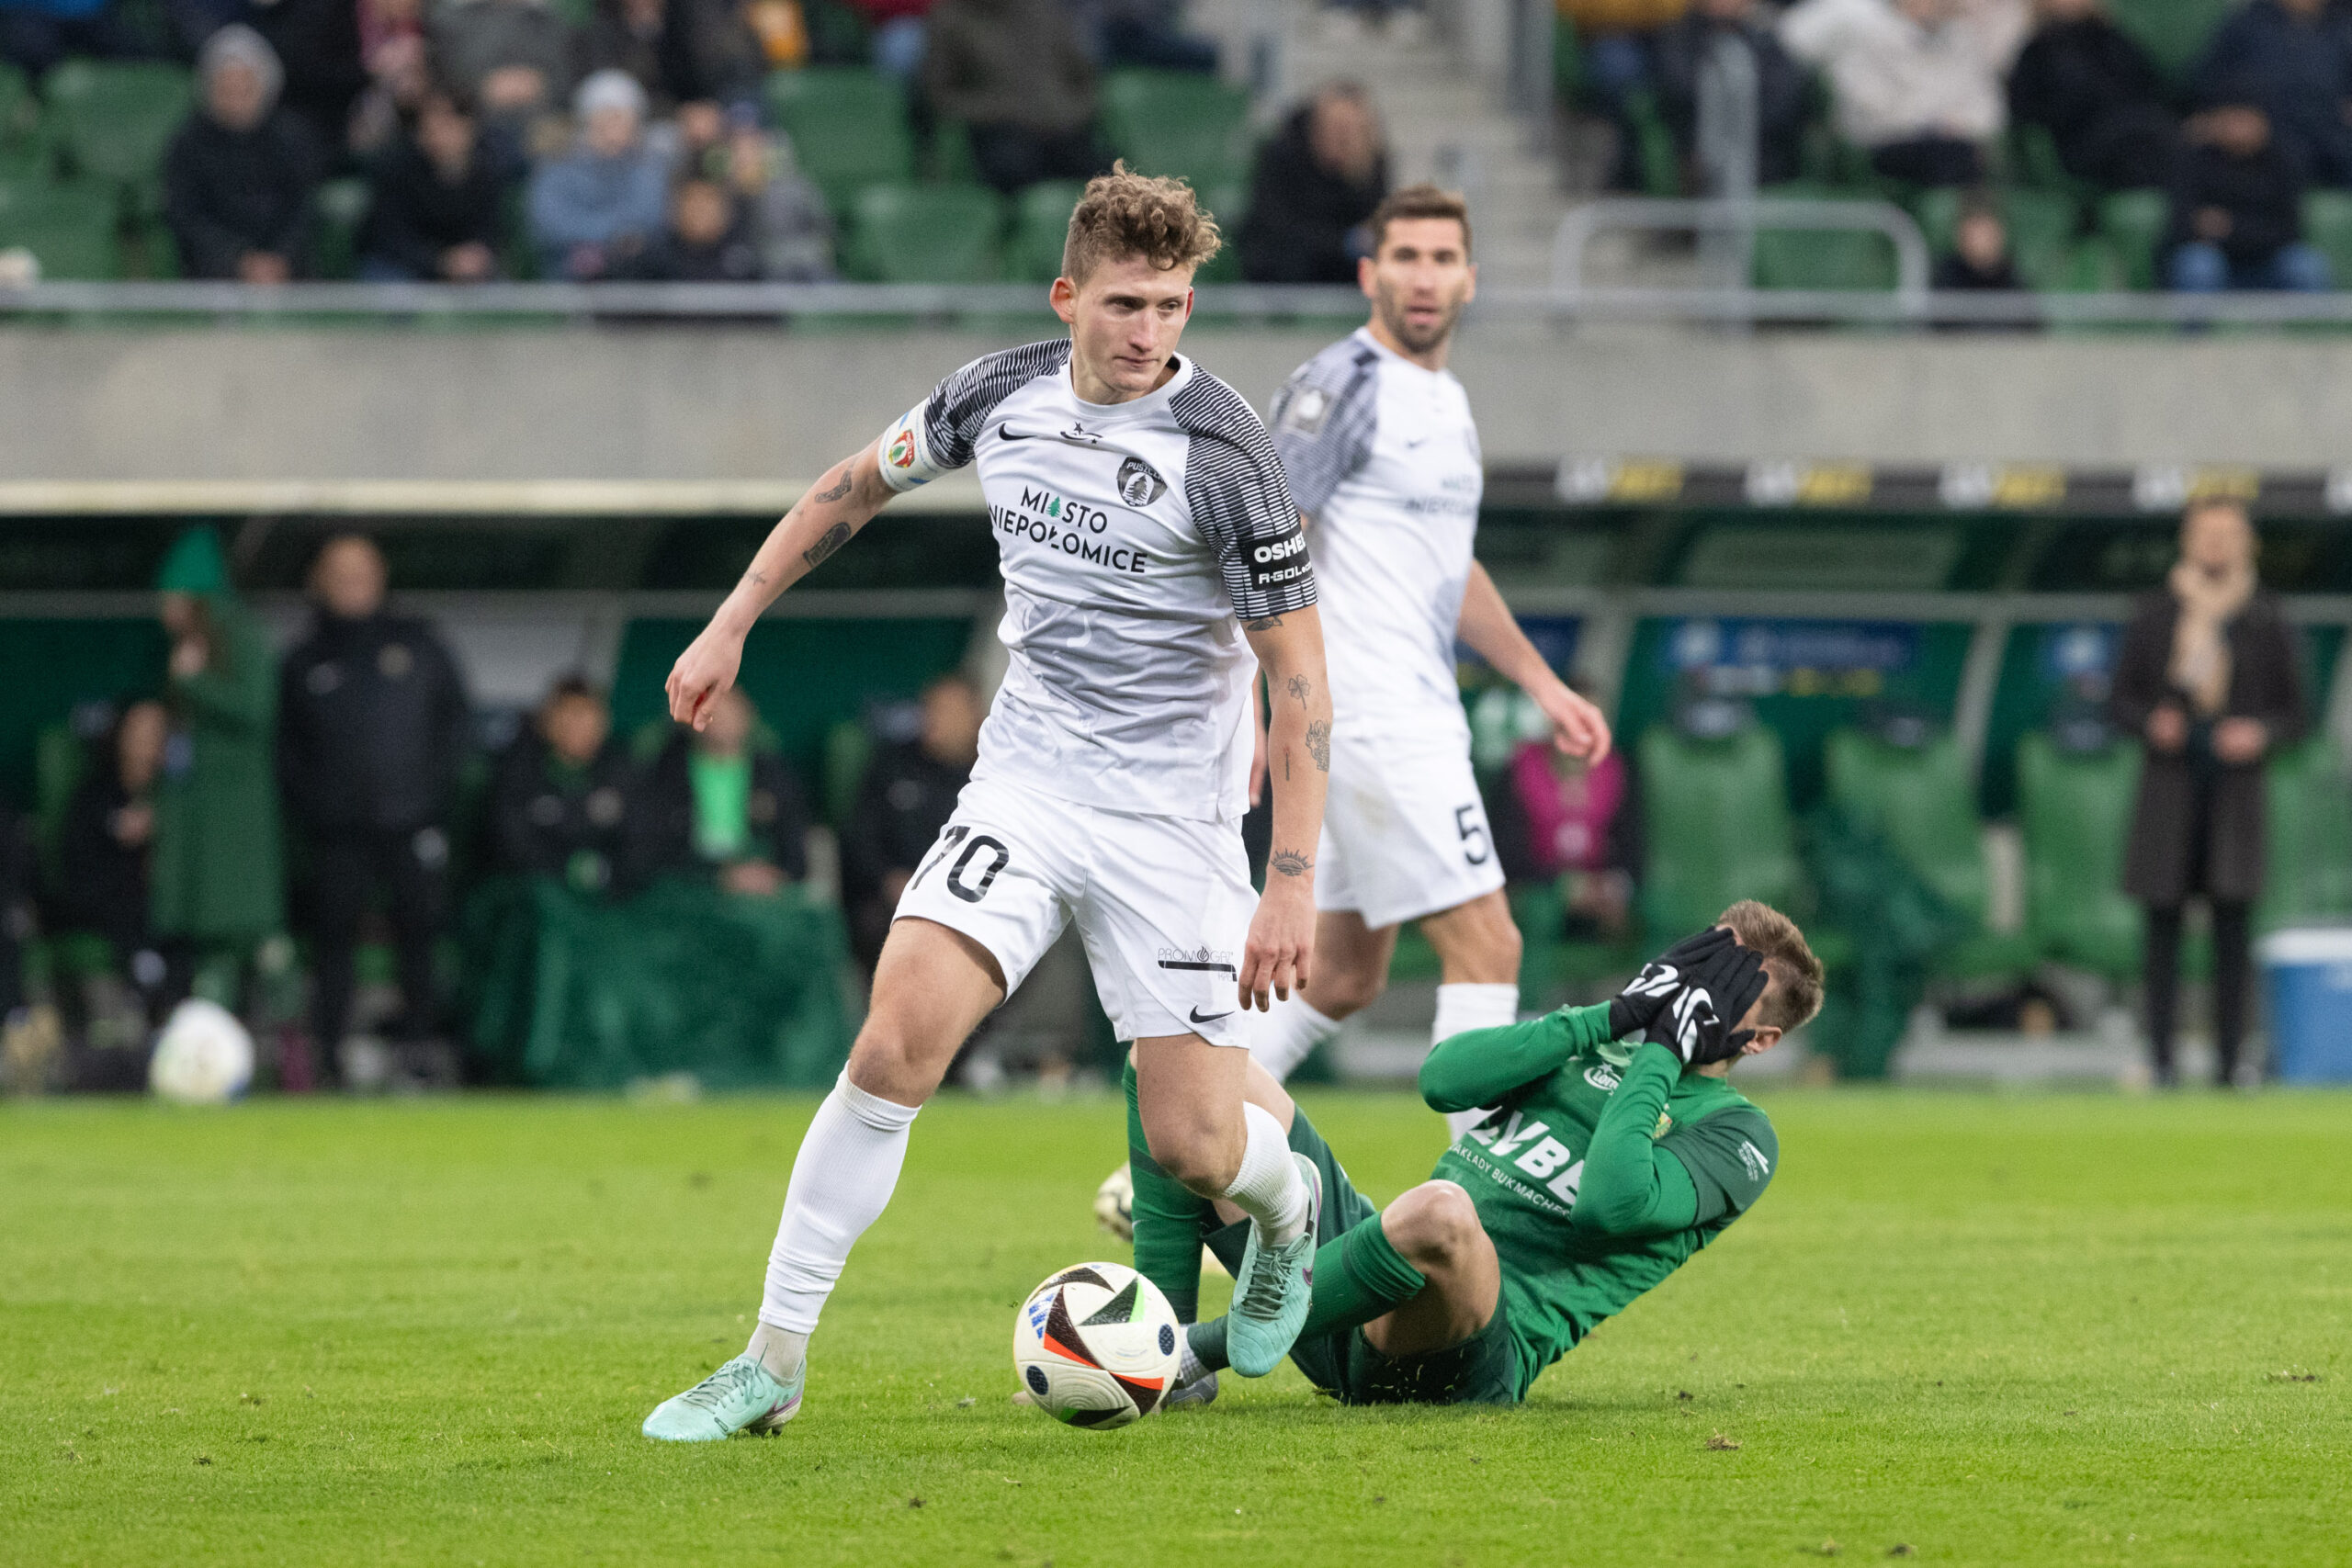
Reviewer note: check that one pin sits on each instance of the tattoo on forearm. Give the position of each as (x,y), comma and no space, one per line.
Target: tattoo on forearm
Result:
(1298,686)
(1290,863)
(756,577)
(1265,624)
(835,494)
(834,539)
(1318,743)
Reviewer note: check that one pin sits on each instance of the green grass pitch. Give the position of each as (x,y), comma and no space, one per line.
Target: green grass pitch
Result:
(2078,1329)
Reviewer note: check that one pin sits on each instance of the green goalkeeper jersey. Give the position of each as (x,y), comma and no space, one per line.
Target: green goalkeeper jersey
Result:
(1527,1167)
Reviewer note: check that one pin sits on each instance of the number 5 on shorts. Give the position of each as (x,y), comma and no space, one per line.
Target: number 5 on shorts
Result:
(1472,834)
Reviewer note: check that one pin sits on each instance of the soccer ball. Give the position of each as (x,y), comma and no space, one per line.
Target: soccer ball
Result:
(1114,1204)
(1096,1346)
(204,1056)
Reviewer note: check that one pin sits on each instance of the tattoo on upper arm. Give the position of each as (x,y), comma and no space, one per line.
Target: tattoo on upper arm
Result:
(1298,686)
(1290,863)
(1265,624)
(833,539)
(1318,743)
(835,494)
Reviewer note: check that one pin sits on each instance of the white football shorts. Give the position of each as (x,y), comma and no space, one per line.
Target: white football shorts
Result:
(1163,903)
(1404,831)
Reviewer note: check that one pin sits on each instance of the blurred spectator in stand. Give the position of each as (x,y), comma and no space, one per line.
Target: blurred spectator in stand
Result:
(2293,58)
(595,209)
(707,240)
(1316,183)
(901,35)
(1917,83)
(239,176)
(2209,674)
(1580,829)
(1615,39)
(715,803)
(784,208)
(562,801)
(2237,206)
(2097,91)
(680,52)
(1980,257)
(103,881)
(1724,52)
(393,49)
(318,44)
(37,34)
(510,59)
(906,796)
(372,727)
(438,207)
(1017,73)
(217,876)
(1144,35)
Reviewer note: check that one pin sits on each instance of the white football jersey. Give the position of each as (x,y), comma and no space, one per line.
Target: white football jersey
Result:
(1383,455)
(1130,536)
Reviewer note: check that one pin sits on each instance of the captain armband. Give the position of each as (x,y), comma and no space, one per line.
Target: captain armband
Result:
(904,454)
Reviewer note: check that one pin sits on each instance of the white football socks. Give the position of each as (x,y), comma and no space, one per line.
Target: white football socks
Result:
(842,1180)
(1268,1188)
(1462,1007)
(1285,1036)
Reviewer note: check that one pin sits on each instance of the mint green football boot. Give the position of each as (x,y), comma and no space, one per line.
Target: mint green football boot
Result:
(739,1397)
(1272,1290)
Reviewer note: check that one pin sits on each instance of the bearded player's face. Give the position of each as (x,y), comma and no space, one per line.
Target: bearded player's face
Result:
(1419,279)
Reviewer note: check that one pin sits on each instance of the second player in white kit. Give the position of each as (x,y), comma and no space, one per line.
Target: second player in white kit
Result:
(1381,453)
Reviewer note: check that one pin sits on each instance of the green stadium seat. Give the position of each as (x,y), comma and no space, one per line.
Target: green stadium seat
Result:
(2309,826)
(1040,225)
(908,234)
(2328,224)
(2075,809)
(1919,800)
(1229,205)
(341,206)
(19,110)
(1820,258)
(71,228)
(2133,221)
(1178,122)
(115,120)
(848,127)
(1716,816)
(2174,32)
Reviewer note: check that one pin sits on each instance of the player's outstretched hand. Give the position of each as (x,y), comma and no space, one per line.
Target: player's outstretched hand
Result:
(1645,998)
(1577,726)
(1702,1019)
(702,673)
(1281,941)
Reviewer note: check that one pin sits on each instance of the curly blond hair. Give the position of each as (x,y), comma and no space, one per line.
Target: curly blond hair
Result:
(1126,214)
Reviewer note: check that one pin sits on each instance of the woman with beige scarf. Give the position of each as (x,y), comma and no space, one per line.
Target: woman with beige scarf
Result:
(2210,676)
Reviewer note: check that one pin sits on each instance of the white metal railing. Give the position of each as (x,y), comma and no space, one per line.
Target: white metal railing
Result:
(1742,219)
(991,304)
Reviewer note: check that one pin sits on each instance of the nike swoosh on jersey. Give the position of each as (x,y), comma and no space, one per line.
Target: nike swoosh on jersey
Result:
(1195,1016)
(1070,437)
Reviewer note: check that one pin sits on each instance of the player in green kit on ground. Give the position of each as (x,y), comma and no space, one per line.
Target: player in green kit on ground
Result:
(1615,1150)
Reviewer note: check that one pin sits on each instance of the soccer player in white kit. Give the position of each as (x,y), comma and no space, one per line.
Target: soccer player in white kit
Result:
(1382,454)
(1153,560)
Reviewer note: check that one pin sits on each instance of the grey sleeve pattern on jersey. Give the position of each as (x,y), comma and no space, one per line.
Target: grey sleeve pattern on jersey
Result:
(961,404)
(1233,480)
(1323,421)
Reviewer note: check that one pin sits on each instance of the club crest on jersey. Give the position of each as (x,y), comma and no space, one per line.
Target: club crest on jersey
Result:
(1139,483)
(1306,411)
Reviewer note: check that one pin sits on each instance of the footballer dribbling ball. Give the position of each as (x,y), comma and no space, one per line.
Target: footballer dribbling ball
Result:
(203,1058)
(1096,1346)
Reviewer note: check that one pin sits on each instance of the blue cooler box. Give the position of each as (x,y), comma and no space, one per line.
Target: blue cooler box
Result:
(2309,976)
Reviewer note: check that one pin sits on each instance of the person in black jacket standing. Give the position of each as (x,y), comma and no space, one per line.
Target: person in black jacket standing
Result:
(372,727)
(908,795)
(2096,90)
(2209,676)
